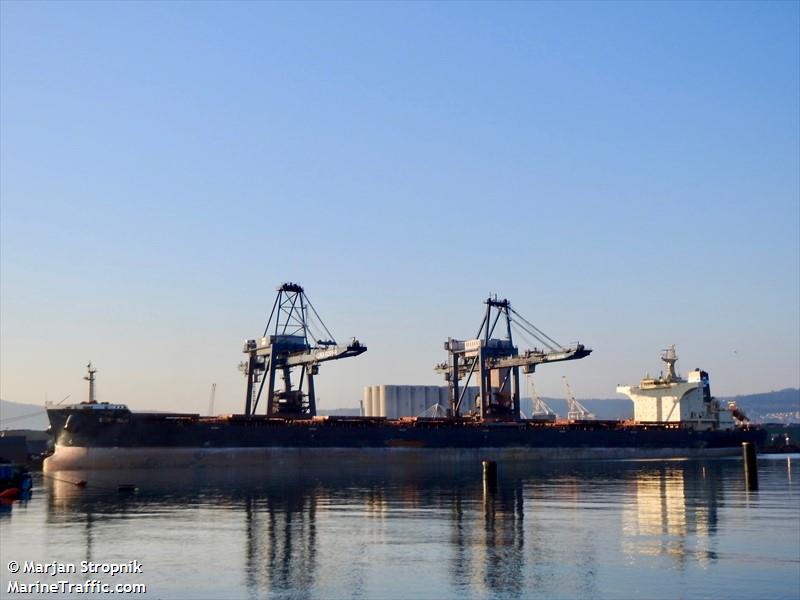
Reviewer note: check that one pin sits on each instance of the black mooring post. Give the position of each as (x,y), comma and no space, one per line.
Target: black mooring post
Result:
(489,476)
(750,465)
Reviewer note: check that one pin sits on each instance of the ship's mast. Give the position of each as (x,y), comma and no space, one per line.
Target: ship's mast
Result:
(670,357)
(90,379)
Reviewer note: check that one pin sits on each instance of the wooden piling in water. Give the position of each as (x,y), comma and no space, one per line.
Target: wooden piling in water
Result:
(489,475)
(750,465)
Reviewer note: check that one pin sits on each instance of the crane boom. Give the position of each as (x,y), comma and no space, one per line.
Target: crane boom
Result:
(528,360)
(317,355)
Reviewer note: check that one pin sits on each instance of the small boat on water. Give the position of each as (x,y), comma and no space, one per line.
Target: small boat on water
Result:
(15,482)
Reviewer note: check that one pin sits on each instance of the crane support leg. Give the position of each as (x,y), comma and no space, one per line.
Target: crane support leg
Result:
(248,406)
(271,392)
(455,398)
(312,400)
(485,386)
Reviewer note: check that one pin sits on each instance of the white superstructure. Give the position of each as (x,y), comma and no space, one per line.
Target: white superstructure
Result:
(671,399)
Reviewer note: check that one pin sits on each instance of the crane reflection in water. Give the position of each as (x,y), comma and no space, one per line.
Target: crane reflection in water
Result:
(566,529)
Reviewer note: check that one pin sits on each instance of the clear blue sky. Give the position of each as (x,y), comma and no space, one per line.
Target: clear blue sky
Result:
(628,174)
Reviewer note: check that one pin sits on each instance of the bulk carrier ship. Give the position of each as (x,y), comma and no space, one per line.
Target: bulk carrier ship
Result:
(674,417)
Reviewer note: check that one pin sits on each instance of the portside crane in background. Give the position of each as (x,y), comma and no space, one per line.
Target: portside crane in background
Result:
(575,410)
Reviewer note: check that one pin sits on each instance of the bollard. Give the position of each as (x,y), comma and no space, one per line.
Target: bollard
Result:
(750,465)
(489,476)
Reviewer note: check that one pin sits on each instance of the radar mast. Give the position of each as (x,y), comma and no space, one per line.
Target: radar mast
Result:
(90,378)
(670,357)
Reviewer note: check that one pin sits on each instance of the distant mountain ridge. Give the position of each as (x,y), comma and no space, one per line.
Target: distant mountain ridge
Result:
(779,406)
(15,415)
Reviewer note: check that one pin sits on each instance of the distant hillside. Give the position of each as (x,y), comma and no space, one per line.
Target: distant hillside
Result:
(781,406)
(14,415)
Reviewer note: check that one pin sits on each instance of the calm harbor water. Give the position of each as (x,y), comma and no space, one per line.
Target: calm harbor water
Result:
(638,529)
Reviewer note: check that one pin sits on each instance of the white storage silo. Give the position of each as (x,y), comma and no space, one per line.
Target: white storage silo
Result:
(444,397)
(382,401)
(421,400)
(404,404)
(401,391)
(411,404)
(413,391)
(391,402)
(431,399)
(376,401)
(366,405)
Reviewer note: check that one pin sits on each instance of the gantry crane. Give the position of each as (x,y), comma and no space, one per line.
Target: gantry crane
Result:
(541,410)
(496,362)
(575,410)
(288,344)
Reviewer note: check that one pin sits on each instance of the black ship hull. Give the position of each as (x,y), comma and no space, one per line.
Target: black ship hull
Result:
(110,436)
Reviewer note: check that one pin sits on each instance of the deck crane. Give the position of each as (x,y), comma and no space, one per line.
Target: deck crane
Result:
(291,342)
(495,363)
(575,410)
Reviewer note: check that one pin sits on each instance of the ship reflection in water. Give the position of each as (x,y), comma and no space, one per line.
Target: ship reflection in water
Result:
(674,515)
(624,529)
